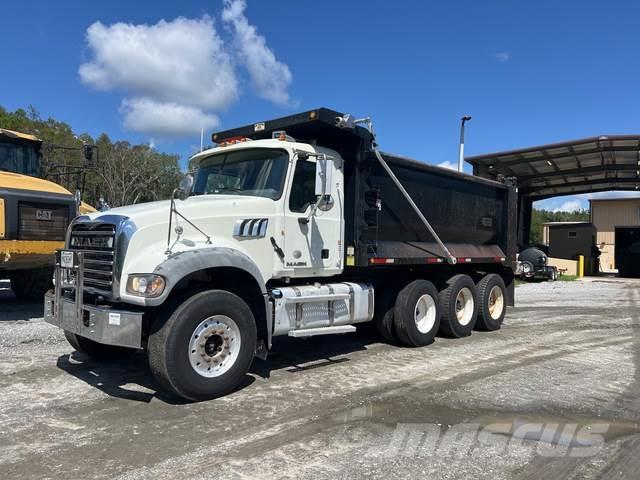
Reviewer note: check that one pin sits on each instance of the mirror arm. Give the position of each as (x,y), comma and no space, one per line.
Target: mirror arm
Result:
(171,209)
(192,224)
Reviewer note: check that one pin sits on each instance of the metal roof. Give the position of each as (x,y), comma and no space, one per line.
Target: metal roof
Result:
(22,136)
(595,164)
(586,222)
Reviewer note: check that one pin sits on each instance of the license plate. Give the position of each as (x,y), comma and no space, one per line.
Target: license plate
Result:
(66,259)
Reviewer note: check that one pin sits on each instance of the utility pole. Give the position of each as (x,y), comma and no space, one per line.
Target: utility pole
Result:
(464,120)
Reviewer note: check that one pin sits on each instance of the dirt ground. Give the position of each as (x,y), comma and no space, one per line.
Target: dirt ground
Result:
(554,394)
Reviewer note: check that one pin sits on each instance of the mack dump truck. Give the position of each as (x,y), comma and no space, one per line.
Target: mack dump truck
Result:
(297,226)
(34,216)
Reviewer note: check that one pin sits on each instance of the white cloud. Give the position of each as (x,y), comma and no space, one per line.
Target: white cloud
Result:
(612,194)
(569,206)
(502,56)
(270,78)
(177,76)
(449,165)
(182,60)
(165,119)
(562,204)
(579,201)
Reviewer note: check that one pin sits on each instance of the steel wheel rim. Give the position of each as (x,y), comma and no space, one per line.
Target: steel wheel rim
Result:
(214,346)
(496,302)
(464,306)
(425,313)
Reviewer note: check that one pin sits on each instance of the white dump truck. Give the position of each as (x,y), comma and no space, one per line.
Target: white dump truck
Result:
(297,226)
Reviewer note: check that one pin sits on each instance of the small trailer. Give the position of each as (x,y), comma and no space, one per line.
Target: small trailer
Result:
(297,226)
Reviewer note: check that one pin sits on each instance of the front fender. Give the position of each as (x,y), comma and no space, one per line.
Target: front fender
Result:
(178,266)
(181,264)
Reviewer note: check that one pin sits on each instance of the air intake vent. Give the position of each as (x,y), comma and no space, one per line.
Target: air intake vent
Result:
(251,228)
(38,221)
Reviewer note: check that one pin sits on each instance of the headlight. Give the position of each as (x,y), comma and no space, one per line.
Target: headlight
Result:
(145,285)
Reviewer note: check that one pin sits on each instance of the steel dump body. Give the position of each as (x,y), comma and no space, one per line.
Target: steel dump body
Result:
(470,215)
(475,218)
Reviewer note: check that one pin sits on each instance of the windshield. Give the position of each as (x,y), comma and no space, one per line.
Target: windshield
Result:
(258,172)
(18,158)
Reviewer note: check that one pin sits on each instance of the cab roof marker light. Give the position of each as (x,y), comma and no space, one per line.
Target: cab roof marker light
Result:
(232,141)
(282,136)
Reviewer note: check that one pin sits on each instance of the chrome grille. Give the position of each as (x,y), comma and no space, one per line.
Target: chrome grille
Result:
(96,242)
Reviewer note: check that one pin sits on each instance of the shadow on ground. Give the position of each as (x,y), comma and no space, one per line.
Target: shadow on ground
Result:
(13,310)
(130,379)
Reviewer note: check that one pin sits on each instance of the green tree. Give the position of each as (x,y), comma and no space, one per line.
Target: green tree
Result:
(538,217)
(121,173)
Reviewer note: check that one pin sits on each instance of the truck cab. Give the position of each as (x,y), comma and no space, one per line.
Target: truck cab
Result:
(279,232)
(307,238)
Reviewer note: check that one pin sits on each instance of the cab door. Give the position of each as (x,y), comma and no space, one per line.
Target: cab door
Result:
(313,240)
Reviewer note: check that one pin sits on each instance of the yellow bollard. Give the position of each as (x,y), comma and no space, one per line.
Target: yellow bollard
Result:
(581,265)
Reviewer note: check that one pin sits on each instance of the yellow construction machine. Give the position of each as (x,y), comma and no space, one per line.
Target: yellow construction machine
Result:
(34,215)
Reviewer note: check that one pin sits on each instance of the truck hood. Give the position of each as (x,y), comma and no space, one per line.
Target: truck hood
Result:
(24,182)
(207,207)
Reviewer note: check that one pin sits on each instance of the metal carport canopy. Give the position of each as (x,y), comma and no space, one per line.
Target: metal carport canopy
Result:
(596,164)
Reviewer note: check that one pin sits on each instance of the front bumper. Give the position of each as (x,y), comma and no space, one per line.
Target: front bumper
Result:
(100,324)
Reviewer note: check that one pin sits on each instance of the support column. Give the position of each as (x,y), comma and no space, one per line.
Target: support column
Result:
(525,208)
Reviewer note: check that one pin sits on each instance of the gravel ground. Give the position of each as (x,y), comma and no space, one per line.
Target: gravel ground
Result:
(554,394)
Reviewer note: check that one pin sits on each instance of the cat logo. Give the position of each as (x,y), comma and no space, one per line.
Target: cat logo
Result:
(45,215)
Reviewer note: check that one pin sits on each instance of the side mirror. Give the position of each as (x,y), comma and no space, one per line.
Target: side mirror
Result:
(185,187)
(323,176)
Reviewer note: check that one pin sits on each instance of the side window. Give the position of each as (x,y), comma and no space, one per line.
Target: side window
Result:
(303,189)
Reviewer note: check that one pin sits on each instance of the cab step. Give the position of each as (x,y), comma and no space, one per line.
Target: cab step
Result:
(310,332)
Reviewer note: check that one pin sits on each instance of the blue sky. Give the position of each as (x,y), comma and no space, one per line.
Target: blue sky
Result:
(528,72)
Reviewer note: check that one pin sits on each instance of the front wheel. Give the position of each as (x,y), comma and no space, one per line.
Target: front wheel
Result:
(31,284)
(206,346)
(528,270)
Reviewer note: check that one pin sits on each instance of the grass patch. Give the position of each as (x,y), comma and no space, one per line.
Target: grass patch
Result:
(567,278)
(561,278)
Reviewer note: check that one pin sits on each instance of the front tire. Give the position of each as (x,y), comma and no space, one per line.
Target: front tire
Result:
(459,304)
(206,346)
(97,351)
(528,271)
(31,284)
(417,313)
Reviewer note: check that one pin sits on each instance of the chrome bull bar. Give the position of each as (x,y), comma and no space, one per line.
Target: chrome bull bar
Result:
(100,323)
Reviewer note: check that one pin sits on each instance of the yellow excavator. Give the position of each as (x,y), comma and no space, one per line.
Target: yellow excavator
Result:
(34,215)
